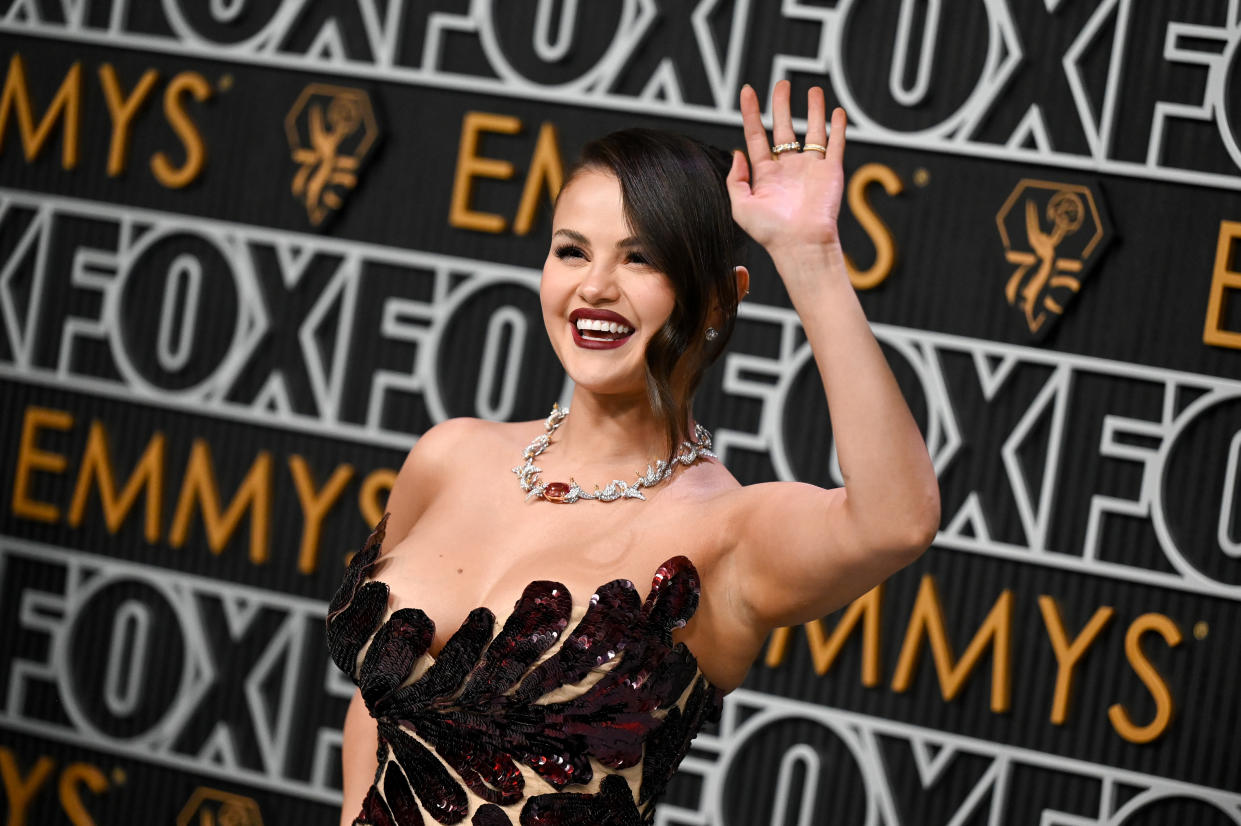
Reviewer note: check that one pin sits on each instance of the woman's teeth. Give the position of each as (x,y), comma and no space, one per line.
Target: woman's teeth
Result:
(610,328)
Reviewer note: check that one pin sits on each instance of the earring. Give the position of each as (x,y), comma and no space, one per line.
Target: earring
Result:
(712,334)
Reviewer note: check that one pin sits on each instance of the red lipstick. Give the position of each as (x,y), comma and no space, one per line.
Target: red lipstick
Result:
(600,340)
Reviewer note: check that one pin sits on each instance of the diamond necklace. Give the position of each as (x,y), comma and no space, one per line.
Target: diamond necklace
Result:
(568,493)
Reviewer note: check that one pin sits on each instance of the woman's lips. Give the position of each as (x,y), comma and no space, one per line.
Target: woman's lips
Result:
(597,343)
(595,329)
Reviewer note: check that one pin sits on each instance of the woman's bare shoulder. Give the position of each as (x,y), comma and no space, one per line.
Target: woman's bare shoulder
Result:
(455,444)
(710,478)
(464,433)
(441,460)
(705,484)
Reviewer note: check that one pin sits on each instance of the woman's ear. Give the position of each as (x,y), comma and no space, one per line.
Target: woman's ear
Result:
(743,281)
(716,318)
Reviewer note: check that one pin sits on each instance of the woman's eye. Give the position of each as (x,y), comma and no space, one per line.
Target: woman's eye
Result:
(569,251)
(638,258)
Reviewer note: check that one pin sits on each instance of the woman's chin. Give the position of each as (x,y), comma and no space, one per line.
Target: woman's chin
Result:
(606,383)
(616,371)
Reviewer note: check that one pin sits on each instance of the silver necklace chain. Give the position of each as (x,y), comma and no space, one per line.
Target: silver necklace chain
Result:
(569,492)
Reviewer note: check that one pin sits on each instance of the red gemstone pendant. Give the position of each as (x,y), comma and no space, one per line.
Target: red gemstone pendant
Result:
(555,492)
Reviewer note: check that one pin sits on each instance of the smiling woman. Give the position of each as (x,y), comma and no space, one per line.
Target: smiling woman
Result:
(593,262)
(548,706)
(666,196)
(596,266)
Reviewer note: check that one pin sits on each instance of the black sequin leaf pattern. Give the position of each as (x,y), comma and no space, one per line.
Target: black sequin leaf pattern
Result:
(481,704)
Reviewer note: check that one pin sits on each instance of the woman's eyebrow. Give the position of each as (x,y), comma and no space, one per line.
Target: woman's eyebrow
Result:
(577,238)
(573,235)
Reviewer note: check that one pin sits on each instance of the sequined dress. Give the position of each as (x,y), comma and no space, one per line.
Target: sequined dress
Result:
(557,714)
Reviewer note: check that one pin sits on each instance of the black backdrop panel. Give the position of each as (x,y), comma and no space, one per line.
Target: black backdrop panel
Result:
(246,253)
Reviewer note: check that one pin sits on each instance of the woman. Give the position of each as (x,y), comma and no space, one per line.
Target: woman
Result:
(569,709)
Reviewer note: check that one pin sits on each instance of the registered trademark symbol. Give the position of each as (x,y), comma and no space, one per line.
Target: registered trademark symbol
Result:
(921,176)
(1201,629)
(118,775)
(225,83)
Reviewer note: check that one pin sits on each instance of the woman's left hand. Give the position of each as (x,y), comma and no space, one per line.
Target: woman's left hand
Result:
(792,199)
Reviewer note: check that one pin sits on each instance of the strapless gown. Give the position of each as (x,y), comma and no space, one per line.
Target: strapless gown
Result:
(565,715)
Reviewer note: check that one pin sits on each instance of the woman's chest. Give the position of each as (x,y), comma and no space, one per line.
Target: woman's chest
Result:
(573,691)
(463,557)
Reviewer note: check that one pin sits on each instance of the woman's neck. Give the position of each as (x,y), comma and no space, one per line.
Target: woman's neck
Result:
(611,430)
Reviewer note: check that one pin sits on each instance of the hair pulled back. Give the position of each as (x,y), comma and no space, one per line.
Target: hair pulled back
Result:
(676,203)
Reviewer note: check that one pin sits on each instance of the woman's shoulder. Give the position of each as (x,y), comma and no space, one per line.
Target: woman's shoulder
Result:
(442,460)
(454,440)
(706,487)
(454,433)
(451,433)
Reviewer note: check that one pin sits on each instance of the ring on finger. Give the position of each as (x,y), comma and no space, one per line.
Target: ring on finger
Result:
(816,147)
(780,148)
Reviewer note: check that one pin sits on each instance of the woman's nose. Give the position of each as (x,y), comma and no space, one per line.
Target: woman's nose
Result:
(598,284)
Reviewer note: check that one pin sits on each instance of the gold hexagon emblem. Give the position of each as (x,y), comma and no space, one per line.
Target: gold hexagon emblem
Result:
(330,130)
(212,807)
(1054,233)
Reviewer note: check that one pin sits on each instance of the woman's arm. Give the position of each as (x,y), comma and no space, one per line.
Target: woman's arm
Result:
(420,477)
(357,757)
(805,551)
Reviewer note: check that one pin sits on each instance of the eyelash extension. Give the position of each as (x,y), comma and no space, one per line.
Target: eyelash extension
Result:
(574,251)
(569,250)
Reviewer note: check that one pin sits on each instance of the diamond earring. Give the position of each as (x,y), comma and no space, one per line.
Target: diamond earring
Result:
(712,334)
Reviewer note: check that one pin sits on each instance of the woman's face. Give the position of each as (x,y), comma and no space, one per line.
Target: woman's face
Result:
(602,302)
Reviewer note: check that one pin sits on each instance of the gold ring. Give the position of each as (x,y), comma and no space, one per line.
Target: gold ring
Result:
(817,147)
(791,146)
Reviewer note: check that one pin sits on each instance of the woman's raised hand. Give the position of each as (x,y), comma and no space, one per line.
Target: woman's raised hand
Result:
(792,199)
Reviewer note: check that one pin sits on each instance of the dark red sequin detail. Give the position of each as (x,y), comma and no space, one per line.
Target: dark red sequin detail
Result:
(374,810)
(400,798)
(490,815)
(477,705)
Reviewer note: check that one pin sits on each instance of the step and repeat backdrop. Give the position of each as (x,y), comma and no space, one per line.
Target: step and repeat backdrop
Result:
(249,251)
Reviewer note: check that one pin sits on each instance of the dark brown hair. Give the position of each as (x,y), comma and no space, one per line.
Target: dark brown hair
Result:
(676,203)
